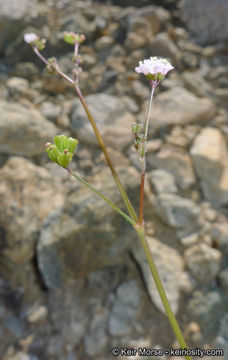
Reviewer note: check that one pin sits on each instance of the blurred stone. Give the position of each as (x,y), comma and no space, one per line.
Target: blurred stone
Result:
(111,116)
(125,307)
(104,43)
(96,338)
(187,282)
(219,233)
(162,181)
(180,107)
(210,158)
(177,163)
(195,83)
(221,341)
(164,258)
(116,64)
(134,41)
(38,314)
(14,15)
(189,239)
(176,211)
(17,86)
(153,145)
(73,20)
(206,20)
(81,227)
(27,70)
(162,45)
(223,279)
(27,194)
(50,110)
(24,131)
(182,137)
(147,21)
(205,308)
(203,261)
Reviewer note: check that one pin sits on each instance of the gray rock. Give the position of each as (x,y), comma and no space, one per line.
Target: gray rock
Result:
(223,279)
(96,338)
(205,308)
(111,116)
(68,242)
(17,86)
(134,41)
(164,258)
(23,131)
(206,20)
(221,341)
(124,310)
(50,110)
(27,194)
(203,261)
(104,43)
(162,45)
(210,158)
(176,211)
(177,163)
(195,83)
(219,233)
(180,107)
(147,21)
(27,70)
(14,15)
(162,181)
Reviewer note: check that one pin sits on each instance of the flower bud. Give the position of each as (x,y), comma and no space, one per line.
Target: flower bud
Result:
(72,38)
(136,128)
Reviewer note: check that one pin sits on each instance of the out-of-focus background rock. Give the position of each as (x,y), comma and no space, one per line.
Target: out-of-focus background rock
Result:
(73,280)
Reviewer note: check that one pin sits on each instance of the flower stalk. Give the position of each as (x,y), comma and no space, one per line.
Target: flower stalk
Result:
(172,319)
(155,70)
(143,160)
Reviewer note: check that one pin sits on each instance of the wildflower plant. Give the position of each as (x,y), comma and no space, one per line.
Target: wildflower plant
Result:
(155,69)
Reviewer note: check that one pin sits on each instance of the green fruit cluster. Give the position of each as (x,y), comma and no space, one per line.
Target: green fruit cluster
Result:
(61,152)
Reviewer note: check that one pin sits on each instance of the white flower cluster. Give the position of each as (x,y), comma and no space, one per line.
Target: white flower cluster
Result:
(154,66)
(30,38)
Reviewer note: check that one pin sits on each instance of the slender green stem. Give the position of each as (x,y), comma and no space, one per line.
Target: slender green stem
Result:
(143,159)
(107,157)
(148,113)
(82,181)
(157,280)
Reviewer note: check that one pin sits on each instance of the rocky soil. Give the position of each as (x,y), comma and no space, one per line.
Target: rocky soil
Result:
(73,280)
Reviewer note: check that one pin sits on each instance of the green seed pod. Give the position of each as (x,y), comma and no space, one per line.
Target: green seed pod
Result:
(64,159)
(71,144)
(53,153)
(69,37)
(61,142)
(62,151)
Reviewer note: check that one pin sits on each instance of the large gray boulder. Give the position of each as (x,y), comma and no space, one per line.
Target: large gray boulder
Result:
(23,131)
(179,106)
(210,158)
(206,19)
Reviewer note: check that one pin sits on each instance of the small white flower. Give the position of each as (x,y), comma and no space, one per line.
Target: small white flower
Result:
(154,68)
(30,38)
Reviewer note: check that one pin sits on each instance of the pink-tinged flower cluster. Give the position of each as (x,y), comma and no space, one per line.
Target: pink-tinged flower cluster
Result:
(30,38)
(154,68)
